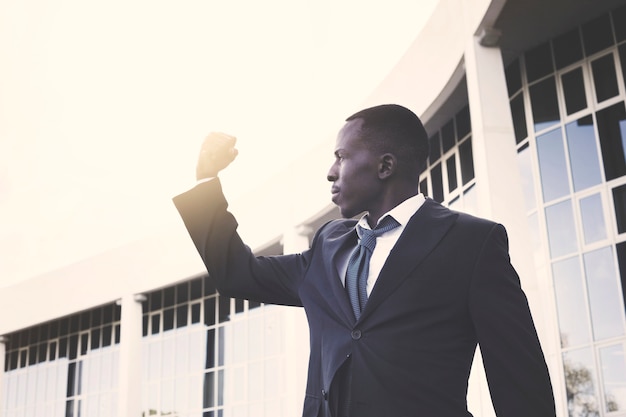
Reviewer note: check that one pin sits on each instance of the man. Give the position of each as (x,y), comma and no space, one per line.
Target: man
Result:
(394,327)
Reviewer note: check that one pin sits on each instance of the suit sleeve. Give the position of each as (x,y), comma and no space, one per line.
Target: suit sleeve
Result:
(514,363)
(233,266)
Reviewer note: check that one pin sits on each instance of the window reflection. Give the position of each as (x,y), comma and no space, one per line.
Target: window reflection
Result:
(604,78)
(552,165)
(580,383)
(583,153)
(603,288)
(613,362)
(574,90)
(592,216)
(561,229)
(570,297)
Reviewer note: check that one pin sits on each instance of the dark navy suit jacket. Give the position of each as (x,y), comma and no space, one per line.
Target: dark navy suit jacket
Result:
(447,285)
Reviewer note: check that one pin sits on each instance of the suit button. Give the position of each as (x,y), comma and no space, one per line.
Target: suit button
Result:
(324,394)
(356,334)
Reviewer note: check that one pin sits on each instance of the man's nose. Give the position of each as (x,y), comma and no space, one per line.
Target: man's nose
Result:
(332,174)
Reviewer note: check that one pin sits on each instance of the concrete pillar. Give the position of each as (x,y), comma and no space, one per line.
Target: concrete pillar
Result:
(130,356)
(3,341)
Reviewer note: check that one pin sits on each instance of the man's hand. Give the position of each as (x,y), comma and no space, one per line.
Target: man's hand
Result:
(217,152)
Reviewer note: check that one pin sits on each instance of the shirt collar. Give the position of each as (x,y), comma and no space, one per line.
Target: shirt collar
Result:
(402,213)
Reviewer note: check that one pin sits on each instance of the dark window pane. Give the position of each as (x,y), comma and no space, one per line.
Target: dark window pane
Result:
(14,360)
(96,317)
(437,183)
(23,358)
(84,343)
(604,77)
(567,49)
(583,153)
(63,347)
(195,289)
(513,78)
(621,257)
(73,346)
(117,312)
(144,324)
(43,332)
(156,300)
(85,320)
(612,130)
(118,334)
(181,316)
(69,408)
(619,201)
(156,323)
(71,379)
(32,355)
(552,165)
(435,148)
(463,123)
(54,329)
(95,339)
(544,103)
(209,390)
(574,90)
(168,319)
(169,296)
(107,314)
(447,136)
(253,304)
(424,186)
(74,323)
(64,327)
(519,118)
(195,313)
(42,355)
(209,311)
(597,35)
(467,161)
(619,23)
(53,351)
(538,62)
(210,349)
(106,335)
(182,292)
(451,168)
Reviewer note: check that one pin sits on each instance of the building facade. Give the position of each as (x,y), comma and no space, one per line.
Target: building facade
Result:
(525,105)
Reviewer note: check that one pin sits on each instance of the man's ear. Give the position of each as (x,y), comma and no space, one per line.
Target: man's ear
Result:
(387,166)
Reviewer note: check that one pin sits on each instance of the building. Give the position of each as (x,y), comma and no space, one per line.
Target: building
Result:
(525,104)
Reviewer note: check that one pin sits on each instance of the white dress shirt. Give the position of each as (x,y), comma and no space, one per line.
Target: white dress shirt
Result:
(402,213)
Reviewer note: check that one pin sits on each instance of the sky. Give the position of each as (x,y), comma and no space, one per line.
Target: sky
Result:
(104,105)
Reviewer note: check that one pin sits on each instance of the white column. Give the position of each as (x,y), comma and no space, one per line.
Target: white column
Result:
(498,180)
(295,240)
(3,342)
(130,356)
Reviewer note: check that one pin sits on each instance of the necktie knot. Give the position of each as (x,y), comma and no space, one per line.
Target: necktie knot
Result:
(368,236)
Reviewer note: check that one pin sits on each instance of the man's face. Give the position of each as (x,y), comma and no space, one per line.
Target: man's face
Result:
(354,174)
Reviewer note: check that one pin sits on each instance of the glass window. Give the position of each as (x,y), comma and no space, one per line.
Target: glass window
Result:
(583,153)
(613,363)
(519,118)
(467,161)
(538,62)
(451,168)
(552,165)
(621,257)
(619,203)
(604,78)
(435,148)
(570,302)
(604,301)
(622,60)
(424,186)
(619,23)
(544,103)
(526,173)
(580,383)
(463,123)
(447,136)
(567,49)
(574,90)
(597,34)
(592,215)
(437,183)
(612,131)
(561,229)
(513,77)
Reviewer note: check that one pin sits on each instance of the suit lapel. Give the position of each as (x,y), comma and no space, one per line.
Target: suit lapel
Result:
(423,232)
(341,243)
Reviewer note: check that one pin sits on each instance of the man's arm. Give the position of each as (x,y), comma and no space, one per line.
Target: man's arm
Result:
(516,371)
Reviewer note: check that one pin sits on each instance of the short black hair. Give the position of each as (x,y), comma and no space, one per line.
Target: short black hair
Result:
(396,129)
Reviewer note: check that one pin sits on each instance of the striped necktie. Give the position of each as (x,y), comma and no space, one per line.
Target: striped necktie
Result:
(358,264)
